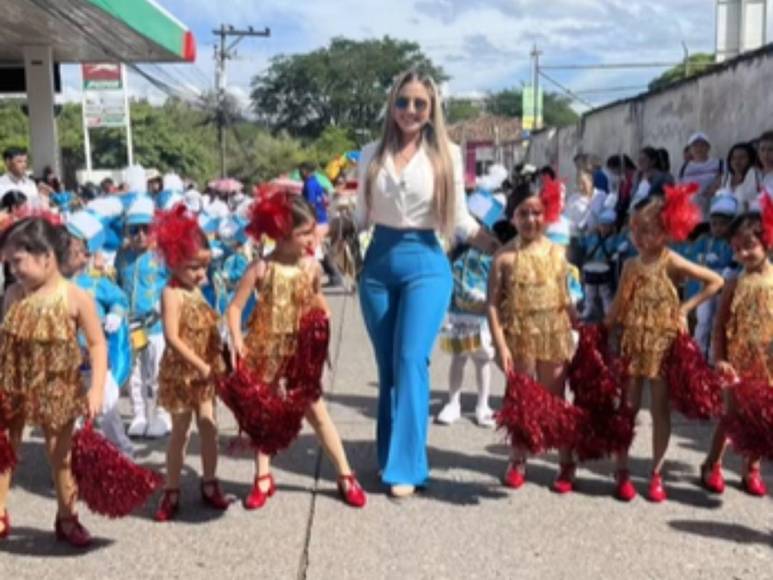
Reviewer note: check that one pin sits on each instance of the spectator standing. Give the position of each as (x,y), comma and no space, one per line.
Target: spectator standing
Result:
(15,177)
(704,170)
(743,178)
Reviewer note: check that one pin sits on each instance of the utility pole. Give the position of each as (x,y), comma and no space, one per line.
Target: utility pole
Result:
(222,54)
(535,54)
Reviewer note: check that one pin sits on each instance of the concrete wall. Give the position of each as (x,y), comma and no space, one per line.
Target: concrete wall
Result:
(730,104)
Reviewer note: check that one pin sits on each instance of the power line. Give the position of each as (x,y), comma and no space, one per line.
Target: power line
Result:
(611,90)
(566,90)
(616,65)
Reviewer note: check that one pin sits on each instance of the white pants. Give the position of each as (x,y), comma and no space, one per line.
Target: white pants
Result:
(110,419)
(144,379)
(594,292)
(483,362)
(704,326)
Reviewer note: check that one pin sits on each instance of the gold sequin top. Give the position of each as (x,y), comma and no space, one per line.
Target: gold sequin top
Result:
(40,360)
(649,312)
(749,329)
(535,301)
(284,295)
(181,385)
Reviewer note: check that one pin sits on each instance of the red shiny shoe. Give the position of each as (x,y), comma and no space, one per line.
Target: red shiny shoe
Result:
(515,475)
(168,506)
(78,536)
(215,498)
(564,483)
(351,491)
(712,478)
(624,490)
(257,497)
(6,521)
(753,484)
(657,493)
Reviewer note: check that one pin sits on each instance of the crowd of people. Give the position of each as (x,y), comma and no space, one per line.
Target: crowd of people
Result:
(185,296)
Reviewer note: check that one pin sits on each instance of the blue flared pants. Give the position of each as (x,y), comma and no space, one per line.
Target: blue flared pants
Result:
(405,289)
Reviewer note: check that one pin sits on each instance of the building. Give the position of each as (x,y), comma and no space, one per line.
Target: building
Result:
(487,140)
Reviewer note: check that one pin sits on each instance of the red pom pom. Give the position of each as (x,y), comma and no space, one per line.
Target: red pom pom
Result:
(680,215)
(177,235)
(766,205)
(551,199)
(749,424)
(272,414)
(270,214)
(695,388)
(109,483)
(534,418)
(598,381)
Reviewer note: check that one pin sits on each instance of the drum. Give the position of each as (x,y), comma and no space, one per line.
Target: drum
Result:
(597,273)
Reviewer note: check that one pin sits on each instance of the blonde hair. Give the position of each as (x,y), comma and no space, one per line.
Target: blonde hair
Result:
(434,137)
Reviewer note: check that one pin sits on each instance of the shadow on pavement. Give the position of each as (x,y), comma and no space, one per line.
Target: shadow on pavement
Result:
(723,531)
(41,544)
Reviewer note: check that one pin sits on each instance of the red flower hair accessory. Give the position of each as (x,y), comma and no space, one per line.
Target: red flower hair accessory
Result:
(766,209)
(177,235)
(680,215)
(270,214)
(551,199)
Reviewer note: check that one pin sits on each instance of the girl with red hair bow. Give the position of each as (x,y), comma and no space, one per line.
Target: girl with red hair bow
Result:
(529,311)
(648,309)
(279,364)
(193,358)
(743,349)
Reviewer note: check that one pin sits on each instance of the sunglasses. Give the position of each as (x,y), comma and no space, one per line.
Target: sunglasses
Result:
(419,105)
(137,230)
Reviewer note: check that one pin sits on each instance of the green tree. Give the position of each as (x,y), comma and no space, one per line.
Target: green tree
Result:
(556,108)
(342,85)
(695,64)
(461,109)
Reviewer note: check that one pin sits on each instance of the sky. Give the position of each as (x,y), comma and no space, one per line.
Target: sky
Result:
(483,45)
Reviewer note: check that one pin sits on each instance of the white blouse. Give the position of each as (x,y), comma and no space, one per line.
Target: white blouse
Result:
(404,200)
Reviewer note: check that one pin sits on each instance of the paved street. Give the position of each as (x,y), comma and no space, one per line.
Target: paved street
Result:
(466,525)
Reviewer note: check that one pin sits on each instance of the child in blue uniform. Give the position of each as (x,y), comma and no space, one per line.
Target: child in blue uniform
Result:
(143,277)
(600,258)
(87,236)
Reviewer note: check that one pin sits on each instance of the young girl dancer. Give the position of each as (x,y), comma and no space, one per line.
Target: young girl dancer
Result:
(529,309)
(193,358)
(288,286)
(743,336)
(648,309)
(40,359)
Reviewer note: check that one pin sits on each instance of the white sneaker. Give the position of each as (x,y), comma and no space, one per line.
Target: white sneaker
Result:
(449,414)
(159,426)
(137,427)
(484,416)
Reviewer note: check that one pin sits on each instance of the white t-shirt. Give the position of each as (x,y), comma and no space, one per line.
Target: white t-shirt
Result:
(25,185)
(404,200)
(583,212)
(747,191)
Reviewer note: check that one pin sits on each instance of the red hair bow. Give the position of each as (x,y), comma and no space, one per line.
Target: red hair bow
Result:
(177,234)
(551,199)
(270,214)
(680,215)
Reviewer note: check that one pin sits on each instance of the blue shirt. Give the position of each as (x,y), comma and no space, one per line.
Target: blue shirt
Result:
(715,254)
(315,195)
(143,277)
(108,296)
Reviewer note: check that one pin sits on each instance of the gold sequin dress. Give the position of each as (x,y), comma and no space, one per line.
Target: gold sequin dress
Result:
(649,314)
(749,329)
(181,385)
(534,304)
(284,295)
(40,360)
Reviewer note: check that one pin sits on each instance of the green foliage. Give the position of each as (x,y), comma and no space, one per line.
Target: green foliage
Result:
(343,85)
(461,109)
(556,108)
(696,64)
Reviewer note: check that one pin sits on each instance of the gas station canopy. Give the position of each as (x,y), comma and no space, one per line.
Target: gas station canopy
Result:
(37,34)
(94,31)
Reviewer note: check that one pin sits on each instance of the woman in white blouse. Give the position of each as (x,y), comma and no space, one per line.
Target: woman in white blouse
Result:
(411,188)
